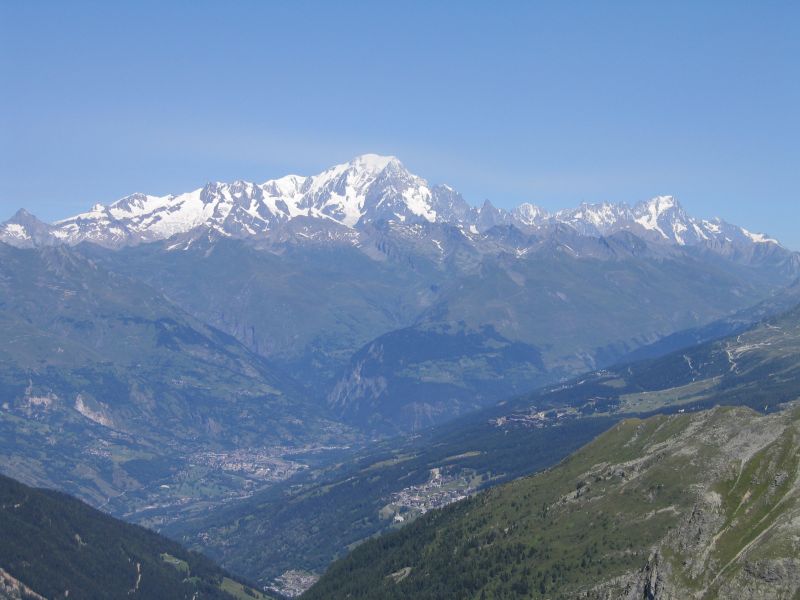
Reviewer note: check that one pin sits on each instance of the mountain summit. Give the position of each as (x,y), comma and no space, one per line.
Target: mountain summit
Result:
(348,197)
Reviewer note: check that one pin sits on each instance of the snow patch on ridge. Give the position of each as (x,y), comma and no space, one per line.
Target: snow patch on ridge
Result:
(654,209)
(419,202)
(17,230)
(759,238)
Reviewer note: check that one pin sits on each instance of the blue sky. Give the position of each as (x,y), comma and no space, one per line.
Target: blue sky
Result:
(554,103)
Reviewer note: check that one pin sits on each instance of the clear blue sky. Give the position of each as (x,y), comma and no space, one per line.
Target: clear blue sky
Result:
(554,103)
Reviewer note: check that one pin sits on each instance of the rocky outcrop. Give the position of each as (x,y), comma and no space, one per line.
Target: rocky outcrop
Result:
(739,538)
(12,588)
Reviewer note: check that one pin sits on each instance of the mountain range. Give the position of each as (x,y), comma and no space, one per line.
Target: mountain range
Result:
(343,200)
(231,364)
(343,280)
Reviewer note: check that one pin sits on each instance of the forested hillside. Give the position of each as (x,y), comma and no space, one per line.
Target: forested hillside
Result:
(701,505)
(59,547)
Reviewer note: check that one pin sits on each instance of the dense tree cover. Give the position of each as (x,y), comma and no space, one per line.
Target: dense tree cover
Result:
(61,547)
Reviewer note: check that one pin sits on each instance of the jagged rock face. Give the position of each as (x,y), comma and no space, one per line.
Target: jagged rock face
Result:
(350,197)
(12,588)
(738,538)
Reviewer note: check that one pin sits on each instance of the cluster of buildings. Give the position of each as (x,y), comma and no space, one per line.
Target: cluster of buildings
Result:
(536,418)
(440,490)
(292,583)
(263,464)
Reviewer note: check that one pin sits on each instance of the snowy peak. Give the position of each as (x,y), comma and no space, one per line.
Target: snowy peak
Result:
(374,163)
(23,217)
(368,188)
(529,214)
(658,206)
(596,219)
(659,219)
(343,200)
(25,230)
(664,216)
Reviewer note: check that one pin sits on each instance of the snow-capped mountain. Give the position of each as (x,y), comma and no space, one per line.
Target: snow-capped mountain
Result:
(659,219)
(347,198)
(24,229)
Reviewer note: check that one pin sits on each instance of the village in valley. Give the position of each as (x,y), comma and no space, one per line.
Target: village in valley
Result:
(444,486)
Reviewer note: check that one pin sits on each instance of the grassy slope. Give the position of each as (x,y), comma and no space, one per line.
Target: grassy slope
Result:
(696,498)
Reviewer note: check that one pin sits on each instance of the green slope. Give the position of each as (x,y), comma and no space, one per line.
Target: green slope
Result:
(59,547)
(685,506)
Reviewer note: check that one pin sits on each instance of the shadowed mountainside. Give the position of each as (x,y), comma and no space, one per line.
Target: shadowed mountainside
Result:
(58,547)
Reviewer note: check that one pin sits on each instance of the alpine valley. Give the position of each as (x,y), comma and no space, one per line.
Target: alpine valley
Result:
(273,373)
